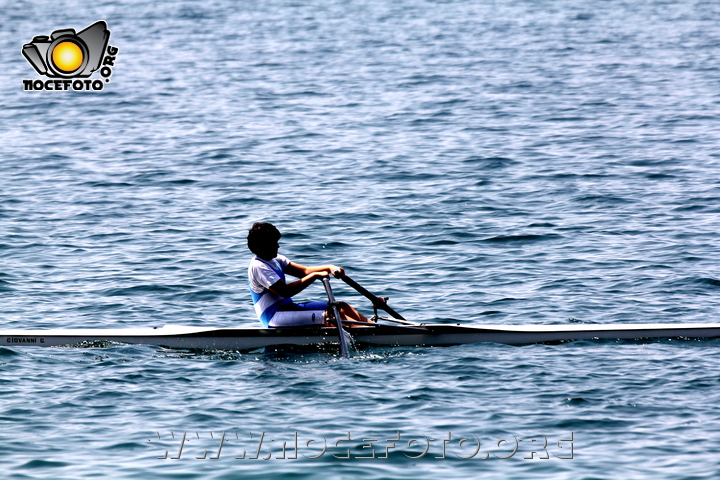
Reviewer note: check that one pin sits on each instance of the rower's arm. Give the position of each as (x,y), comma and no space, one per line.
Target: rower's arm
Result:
(297,270)
(288,290)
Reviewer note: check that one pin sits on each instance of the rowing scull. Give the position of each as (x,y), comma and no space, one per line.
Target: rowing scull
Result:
(239,339)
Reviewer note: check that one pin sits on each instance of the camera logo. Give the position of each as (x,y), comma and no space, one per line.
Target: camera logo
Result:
(68,56)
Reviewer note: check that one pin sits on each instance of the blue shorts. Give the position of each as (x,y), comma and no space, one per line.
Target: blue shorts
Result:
(299,314)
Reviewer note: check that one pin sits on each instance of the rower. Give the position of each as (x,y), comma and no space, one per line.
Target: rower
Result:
(272,295)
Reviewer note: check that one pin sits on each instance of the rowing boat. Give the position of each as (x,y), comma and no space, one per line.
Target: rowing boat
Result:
(400,333)
(243,339)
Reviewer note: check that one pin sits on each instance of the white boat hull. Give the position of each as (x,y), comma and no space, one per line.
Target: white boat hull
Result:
(390,335)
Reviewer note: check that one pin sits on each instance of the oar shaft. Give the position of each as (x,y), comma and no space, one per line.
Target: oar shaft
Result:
(338,321)
(374,299)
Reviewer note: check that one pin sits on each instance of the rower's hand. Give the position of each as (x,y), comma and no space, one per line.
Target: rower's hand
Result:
(337,272)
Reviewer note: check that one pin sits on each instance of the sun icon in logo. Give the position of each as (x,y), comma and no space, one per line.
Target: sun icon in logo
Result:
(67,56)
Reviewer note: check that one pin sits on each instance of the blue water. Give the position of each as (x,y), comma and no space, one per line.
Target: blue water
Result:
(502,162)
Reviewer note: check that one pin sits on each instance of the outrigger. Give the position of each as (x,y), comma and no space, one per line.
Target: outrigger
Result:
(394,331)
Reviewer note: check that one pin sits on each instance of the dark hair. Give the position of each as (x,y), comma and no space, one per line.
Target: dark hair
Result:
(260,235)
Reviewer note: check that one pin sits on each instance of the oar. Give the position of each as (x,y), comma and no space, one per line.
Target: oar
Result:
(377,302)
(341,333)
